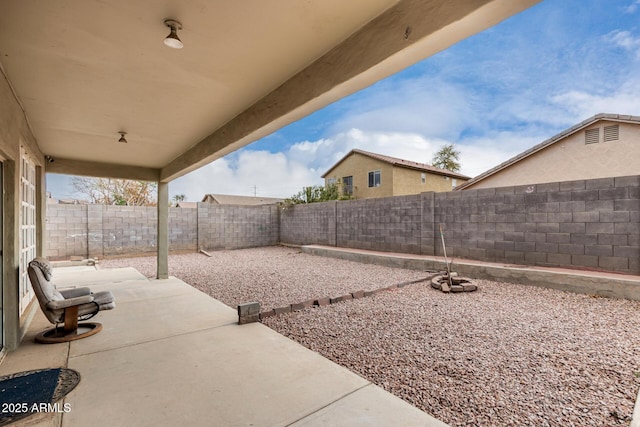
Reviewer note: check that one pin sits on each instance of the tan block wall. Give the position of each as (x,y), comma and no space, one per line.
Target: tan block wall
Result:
(571,159)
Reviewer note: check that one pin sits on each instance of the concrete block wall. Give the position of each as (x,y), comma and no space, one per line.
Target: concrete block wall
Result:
(314,222)
(385,224)
(129,229)
(183,229)
(428,227)
(592,224)
(589,224)
(95,234)
(66,231)
(236,227)
(98,231)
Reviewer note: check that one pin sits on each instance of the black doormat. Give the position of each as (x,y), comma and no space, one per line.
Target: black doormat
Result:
(30,392)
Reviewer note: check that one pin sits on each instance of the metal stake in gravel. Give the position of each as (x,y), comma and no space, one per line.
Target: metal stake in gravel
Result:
(450,282)
(446,261)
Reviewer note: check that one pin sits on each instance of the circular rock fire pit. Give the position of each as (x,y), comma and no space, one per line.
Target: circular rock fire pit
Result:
(446,284)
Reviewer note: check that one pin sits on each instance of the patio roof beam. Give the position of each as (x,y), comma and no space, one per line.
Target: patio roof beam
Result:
(102,170)
(403,35)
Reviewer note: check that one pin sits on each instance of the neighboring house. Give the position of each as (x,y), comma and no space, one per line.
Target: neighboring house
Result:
(603,146)
(72,202)
(366,175)
(225,199)
(53,201)
(192,205)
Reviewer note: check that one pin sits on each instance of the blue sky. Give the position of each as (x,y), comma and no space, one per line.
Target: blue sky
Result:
(493,95)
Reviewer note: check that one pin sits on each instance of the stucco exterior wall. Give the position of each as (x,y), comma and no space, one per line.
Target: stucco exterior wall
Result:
(571,159)
(409,181)
(394,180)
(14,133)
(359,167)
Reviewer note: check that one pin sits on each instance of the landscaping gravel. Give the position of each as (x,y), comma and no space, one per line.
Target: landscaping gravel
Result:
(273,276)
(504,355)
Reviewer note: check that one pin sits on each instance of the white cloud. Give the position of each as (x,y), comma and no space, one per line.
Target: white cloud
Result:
(625,100)
(284,174)
(248,172)
(633,7)
(481,154)
(423,105)
(625,40)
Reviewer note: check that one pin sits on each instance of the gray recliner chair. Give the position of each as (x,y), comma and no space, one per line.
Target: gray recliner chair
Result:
(67,306)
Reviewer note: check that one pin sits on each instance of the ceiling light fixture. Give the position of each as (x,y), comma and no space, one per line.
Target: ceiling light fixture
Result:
(172,39)
(122,138)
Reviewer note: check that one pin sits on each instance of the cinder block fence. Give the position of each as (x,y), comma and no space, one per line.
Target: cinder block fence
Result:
(593,224)
(100,231)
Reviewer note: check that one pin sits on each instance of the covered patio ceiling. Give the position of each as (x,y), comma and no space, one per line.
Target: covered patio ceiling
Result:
(83,70)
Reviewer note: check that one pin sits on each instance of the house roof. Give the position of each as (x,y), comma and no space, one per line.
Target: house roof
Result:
(544,144)
(227,199)
(84,70)
(400,163)
(191,205)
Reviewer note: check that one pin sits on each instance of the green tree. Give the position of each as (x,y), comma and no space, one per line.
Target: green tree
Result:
(447,158)
(109,191)
(178,198)
(316,193)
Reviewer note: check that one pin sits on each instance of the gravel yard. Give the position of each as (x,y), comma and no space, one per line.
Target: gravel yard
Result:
(273,276)
(504,355)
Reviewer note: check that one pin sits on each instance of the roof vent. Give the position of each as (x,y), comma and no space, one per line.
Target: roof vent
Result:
(592,136)
(611,133)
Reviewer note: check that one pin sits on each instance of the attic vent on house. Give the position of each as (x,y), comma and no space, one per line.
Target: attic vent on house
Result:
(611,133)
(592,136)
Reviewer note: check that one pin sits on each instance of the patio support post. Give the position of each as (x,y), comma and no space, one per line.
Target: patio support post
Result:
(163,230)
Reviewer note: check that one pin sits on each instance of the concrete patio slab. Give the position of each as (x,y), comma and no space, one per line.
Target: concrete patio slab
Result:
(170,355)
(31,352)
(365,407)
(170,308)
(227,376)
(90,276)
(131,290)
